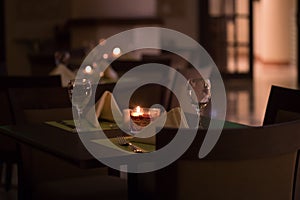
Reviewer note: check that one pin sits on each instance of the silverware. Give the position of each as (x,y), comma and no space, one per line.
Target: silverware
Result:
(123,142)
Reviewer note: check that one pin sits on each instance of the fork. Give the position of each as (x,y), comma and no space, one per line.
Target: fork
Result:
(123,142)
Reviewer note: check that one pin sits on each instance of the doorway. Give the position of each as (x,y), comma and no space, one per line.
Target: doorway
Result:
(226,32)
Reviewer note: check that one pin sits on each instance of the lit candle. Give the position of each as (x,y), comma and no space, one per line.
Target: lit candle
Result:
(137,112)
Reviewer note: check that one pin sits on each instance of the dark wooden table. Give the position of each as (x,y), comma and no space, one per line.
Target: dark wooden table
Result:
(67,146)
(60,143)
(55,141)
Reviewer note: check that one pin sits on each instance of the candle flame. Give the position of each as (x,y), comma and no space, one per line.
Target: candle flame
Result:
(138,109)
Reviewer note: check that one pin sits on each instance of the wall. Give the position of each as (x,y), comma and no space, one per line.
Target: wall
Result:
(177,15)
(273,27)
(30,22)
(182,17)
(256,28)
(113,8)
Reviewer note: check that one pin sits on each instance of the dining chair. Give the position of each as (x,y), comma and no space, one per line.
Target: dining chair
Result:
(46,176)
(8,154)
(36,105)
(29,81)
(246,163)
(283,106)
(41,64)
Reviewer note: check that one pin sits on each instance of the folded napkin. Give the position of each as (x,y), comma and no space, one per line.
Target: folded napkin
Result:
(174,117)
(104,109)
(171,119)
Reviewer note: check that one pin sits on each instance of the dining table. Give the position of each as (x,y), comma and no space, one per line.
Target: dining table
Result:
(60,140)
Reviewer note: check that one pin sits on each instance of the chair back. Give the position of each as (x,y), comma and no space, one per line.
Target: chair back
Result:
(41,64)
(246,163)
(6,82)
(283,105)
(8,152)
(29,81)
(35,105)
(6,116)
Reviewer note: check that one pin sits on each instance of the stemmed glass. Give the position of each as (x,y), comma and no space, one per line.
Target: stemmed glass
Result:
(199,91)
(80,92)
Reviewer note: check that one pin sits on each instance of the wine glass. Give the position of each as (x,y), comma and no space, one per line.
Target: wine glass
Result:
(80,92)
(199,91)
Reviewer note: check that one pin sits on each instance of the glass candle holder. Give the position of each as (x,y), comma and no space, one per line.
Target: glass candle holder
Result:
(142,117)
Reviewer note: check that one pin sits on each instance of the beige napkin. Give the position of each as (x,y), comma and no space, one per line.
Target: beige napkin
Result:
(172,119)
(104,109)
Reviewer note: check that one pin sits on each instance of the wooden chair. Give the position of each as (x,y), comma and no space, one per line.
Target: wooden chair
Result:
(7,82)
(8,153)
(41,64)
(42,175)
(29,81)
(36,105)
(283,106)
(246,163)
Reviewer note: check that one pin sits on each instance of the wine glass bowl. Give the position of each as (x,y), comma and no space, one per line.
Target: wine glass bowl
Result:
(80,91)
(70,87)
(199,92)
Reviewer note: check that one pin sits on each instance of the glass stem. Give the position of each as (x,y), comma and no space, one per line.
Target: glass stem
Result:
(79,112)
(199,113)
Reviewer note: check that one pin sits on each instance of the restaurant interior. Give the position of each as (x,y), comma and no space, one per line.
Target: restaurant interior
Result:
(152,99)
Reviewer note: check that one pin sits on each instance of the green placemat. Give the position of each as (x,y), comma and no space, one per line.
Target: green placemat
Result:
(61,125)
(234,125)
(113,143)
(227,125)
(69,125)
